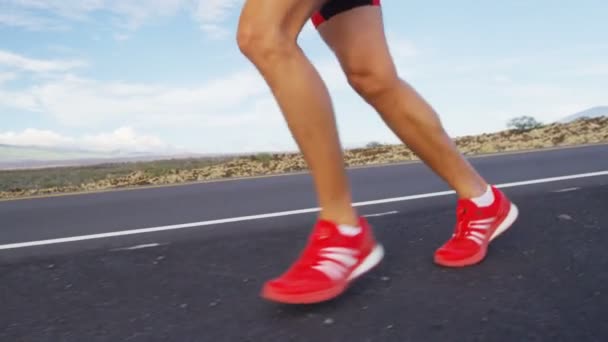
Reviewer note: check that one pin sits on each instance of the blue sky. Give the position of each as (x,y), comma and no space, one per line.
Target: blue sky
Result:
(166,75)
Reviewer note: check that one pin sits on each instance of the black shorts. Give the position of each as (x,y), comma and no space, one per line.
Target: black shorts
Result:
(333,7)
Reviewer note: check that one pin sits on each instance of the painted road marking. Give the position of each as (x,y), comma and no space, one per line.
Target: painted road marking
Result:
(277,214)
(382,214)
(567,190)
(133,248)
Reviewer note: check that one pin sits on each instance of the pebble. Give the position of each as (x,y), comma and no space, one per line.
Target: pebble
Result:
(328,321)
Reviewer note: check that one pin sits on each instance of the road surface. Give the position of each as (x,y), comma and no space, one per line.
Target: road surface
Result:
(186,263)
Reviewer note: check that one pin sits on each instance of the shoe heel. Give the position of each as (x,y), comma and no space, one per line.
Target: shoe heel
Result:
(507,223)
(372,260)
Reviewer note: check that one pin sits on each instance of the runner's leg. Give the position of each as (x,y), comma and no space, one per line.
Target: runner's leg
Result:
(483,212)
(341,246)
(267,35)
(358,40)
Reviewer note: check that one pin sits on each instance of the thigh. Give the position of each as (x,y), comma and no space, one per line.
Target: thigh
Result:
(286,15)
(357,38)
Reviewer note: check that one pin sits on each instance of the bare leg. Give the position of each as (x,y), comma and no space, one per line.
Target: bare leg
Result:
(267,35)
(366,60)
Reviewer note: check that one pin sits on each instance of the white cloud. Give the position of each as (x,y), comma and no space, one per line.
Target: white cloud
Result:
(29,21)
(12,60)
(211,14)
(76,101)
(134,13)
(212,10)
(500,78)
(239,102)
(214,31)
(17,99)
(7,77)
(600,69)
(237,110)
(35,137)
(123,139)
(121,37)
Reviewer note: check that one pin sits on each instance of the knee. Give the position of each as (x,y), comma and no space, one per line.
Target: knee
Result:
(371,80)
(263,43)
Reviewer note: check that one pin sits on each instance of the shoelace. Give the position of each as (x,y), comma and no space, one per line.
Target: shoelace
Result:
(461,223)
(311,255)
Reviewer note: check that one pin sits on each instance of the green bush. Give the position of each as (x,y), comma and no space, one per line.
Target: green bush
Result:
(523,123)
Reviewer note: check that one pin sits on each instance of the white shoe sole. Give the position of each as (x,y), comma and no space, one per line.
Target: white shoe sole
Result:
(507,223)
(370,262)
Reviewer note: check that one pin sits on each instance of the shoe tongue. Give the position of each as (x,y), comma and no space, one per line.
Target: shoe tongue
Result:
(324,229)
(465,207)
(325,224)
(465,204)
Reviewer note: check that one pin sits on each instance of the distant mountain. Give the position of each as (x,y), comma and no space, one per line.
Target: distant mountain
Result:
(15,153)
(590,113)
(30,157)
(16,157)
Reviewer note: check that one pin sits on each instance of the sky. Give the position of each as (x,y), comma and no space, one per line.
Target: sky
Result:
(167,75)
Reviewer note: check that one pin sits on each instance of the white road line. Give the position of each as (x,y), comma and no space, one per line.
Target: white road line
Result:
(277,214)
(567,190)
(149,245)
(382,214)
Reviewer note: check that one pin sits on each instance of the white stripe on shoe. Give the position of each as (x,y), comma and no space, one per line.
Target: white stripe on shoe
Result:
(345,259)
(341,250)
(332,269)
(488,220)
(341,259)
(478,235)
(480,226)
(475,239)
(338,261)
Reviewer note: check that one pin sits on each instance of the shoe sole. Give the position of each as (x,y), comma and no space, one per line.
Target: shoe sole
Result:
(476,258)
(371,261)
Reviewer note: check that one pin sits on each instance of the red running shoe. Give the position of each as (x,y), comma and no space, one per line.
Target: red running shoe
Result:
(334,256)
(476,227)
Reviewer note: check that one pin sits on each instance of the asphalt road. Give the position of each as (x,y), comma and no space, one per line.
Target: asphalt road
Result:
(545,280)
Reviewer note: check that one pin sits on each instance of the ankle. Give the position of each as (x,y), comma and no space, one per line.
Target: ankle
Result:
(473,190)
(347,217)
